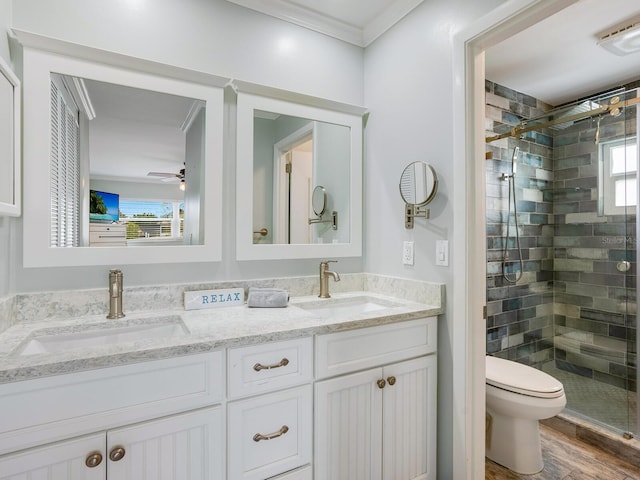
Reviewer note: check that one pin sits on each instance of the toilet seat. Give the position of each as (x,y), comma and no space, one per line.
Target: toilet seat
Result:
(522,379)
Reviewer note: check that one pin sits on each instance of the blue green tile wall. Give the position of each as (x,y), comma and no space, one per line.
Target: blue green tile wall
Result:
(520,316)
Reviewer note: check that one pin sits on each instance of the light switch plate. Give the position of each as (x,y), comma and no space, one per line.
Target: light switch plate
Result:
(442,252)
(407,253)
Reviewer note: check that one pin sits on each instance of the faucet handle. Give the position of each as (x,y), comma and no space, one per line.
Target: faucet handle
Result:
(327,262)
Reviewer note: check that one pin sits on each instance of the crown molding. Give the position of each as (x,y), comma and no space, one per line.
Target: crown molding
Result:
(307,18)
(387,19)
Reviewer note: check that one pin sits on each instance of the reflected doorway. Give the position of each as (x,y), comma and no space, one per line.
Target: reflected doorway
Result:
(292,209)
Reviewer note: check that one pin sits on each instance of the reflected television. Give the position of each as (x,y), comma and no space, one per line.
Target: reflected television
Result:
(104,207)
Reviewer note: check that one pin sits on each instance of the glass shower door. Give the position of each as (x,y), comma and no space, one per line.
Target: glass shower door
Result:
(595,201)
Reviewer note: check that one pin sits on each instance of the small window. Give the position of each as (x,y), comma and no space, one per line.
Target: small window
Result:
(152,220)
(618,176)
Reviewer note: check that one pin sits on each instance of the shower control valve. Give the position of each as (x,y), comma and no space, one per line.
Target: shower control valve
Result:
(623,266)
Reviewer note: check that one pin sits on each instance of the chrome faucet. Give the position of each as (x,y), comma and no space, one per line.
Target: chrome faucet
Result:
(115,294)
(324,278)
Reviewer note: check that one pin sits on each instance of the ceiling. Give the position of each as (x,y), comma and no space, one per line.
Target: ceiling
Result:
(355,21)
(558,60)
(136,132)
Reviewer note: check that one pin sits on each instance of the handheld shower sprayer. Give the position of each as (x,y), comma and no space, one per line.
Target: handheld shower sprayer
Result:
(514,165)
(514,161)
(509,272)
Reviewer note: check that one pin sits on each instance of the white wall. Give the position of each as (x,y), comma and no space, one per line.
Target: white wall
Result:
(409,91)
(208,35)
(213,36)
(6,223)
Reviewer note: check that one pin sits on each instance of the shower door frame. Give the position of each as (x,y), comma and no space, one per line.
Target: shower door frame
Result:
(637,232)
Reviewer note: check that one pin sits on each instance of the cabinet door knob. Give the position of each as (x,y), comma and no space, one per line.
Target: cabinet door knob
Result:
(93,459)
(116,454)
(270,436)
(381,383)
(283,363)
(391,380)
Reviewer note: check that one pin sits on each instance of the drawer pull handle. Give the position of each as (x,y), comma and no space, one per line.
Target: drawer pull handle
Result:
(93,459)
(381,383)
(116,454)
(391,381)
(283,363)
(258,436)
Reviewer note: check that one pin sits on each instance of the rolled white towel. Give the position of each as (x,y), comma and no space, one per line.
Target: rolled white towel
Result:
(267,297)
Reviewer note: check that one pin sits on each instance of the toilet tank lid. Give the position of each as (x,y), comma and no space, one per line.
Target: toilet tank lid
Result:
(520,378)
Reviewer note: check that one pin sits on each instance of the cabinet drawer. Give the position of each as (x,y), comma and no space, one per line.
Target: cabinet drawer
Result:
(268,367)
(286,418)
(53,408)
(344,352)
(303,473)
(107,235)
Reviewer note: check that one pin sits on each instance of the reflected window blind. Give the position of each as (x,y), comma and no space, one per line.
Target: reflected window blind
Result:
(65,171)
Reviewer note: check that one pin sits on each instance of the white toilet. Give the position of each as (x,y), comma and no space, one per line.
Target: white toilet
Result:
(517,397)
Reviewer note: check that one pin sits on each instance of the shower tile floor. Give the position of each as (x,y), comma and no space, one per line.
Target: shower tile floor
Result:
(598,401)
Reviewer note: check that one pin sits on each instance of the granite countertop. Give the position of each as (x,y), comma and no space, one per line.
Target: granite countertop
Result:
(206,330)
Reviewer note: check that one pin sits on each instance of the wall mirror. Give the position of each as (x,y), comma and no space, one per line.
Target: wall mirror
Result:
(123,160)
(295,159)
(9,141)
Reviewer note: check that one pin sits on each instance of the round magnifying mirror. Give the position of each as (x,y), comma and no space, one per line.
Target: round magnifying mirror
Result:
(319,200)
(418,183)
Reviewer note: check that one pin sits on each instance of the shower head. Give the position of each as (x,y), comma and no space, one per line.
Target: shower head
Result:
(514,160)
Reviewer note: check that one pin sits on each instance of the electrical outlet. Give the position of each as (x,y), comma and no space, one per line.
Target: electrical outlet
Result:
(407,253)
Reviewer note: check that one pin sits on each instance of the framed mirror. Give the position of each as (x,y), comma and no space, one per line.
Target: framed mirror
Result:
(285,151)
(9,142)
(126,163)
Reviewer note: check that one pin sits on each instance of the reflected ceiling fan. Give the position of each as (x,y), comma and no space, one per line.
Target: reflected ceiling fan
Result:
(170,177)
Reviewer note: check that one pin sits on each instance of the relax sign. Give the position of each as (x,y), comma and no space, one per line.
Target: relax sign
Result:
(200,299)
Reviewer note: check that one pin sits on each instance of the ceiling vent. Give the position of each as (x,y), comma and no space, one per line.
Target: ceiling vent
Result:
(622,40)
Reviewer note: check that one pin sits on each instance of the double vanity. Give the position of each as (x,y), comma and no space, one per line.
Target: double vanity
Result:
(343,387)
(326,388)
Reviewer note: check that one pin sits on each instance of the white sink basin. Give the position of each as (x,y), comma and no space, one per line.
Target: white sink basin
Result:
(51,341)
(346,307)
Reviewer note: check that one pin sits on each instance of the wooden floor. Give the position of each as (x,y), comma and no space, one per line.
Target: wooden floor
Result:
(566,458)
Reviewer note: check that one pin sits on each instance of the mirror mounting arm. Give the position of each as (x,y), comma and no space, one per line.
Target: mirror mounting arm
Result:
(333,220)
(411,211)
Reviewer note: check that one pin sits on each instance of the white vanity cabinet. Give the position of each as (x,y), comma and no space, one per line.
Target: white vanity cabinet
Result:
(378,422)
(185,446)
(118,423)
(270,425)
(358,404)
